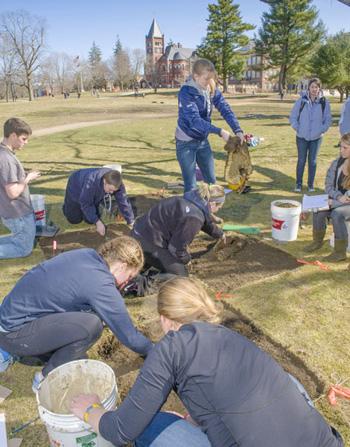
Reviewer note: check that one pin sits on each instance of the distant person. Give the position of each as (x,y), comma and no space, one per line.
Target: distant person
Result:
(344,122)
(235,393)
(169,227)
(79,95)
(55,311)
(16,209)
(87,189)
(197,97)
(338,189)
(310,118)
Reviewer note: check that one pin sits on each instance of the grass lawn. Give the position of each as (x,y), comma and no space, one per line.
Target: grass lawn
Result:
(306,310)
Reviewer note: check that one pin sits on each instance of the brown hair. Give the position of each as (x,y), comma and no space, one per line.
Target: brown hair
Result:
(202,65)
(185,300)
(17,126)
(317,81)
(113,178)
(125,249)
(346,181)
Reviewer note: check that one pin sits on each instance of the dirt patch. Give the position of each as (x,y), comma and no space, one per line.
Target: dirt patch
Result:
(242,260)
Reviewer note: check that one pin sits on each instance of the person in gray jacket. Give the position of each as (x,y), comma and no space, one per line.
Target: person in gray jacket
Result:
(338,189)
(344,122)
(310,118)
(235,393)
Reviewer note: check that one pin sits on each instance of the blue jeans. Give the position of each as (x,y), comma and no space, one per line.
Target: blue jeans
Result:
(188,153)
(307,150)
(339,216)
(169,430)
(20,242)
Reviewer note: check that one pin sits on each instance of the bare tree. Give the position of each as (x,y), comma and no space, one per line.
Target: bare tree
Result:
(137,62)
(26,35)
(58,71)
(8,67)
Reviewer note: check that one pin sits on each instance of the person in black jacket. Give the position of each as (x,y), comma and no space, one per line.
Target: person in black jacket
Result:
(55,311)
(235,393)
(167,229)
(87,189)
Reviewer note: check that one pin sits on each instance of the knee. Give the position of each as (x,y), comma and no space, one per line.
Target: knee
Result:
(94,326)
(337,216)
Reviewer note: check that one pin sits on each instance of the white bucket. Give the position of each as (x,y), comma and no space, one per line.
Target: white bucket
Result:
(38,203)
(285,220)
(331,240)
(56,391)
(115,167)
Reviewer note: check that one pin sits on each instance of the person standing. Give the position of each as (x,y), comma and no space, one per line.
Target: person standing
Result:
(310,118)
(197,97)
(344,122)
(16,209)
(87,189)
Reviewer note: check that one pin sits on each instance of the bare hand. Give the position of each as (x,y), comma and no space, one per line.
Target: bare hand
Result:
(80,403)
(32,176)
(225,135)
(100,228)
(344,199)
(223,239)
(240,136)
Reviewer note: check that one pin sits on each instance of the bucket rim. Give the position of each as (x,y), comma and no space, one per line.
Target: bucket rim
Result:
(293,202)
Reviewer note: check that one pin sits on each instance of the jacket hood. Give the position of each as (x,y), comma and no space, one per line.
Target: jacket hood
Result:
(306,97)
(190,82)
(194,197)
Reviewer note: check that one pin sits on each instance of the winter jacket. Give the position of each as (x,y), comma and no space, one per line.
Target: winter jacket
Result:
(331,182)
(85,187)
(78,280)
(195,109)
(235,392)
(344,122)
(313,122)
(174,222)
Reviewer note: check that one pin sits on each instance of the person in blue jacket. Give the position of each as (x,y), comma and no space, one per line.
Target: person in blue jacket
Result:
(55,311)
(197,97)
(235,393)
(310,118)
(87,189)
(344,122)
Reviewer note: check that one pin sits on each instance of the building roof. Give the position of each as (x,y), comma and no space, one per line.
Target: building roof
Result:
(176,52)
(154,31)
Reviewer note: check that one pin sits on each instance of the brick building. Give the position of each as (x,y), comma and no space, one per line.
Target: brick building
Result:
(166,66)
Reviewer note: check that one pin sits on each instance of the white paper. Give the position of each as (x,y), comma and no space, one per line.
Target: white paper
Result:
(315,203)
(3,436)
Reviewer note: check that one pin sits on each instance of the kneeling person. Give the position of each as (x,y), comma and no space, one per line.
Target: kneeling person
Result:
(87,189)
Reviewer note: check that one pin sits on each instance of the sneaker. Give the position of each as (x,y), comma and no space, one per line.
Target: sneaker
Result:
(38,378)
(297,189)
(6,359)
(311,189)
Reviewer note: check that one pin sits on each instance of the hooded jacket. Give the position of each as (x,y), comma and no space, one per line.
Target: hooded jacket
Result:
(312,122)
(344,122)
(174,222)
(85,187)
(331,182)
(195,109)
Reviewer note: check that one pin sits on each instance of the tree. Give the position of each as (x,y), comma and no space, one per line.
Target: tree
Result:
(57,71)
(26,34)
(137,62)
(8,67)
(288,36)
(123,74)
(332,63)
(225,37)
(118,46)
(97,67)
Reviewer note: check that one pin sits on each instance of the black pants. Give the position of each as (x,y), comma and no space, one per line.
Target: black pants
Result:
(160,258)
(72,211)
(60,337)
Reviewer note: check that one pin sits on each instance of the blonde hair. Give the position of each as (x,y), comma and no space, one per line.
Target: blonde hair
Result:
(184,300)
(346,182)
(211,192)
(125,249)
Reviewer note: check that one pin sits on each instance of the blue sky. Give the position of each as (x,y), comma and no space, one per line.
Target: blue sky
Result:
(73,25)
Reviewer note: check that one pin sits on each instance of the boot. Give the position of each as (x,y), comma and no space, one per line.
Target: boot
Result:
(339,253)
(317,236)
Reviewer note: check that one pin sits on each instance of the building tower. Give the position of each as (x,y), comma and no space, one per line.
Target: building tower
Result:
(154,49)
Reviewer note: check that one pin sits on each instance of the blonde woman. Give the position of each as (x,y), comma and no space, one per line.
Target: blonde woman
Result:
(56,310)
(235,393)
(170,226)
(338,189)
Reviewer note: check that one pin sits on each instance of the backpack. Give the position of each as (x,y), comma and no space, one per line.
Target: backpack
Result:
(322,102)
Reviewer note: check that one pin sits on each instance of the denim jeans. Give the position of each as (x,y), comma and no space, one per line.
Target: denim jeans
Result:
(169,430)
(188,153)
(307,150)
(339,216)
(20,242)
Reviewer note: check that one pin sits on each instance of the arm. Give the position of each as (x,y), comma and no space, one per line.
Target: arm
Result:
(150,391)
(327,117)
(226,112)
(185,232)
(293,117)
(109,305)
(332,192)
(124,204)
(344,123)
(192,116)
(14,190)
(212,230)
